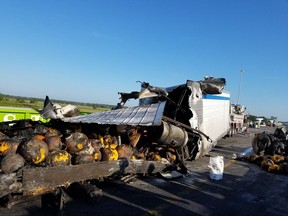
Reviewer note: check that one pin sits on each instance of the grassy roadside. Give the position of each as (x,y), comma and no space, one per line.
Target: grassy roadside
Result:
(39,103)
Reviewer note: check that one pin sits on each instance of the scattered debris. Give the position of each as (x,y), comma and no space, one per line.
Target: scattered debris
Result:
(57,111)
(243,155)
(270,151)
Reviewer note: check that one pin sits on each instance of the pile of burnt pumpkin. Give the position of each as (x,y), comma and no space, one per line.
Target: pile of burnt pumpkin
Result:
(277,164)
(51,145)
(46,146)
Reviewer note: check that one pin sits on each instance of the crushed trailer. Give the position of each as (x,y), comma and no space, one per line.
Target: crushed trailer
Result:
(169,127)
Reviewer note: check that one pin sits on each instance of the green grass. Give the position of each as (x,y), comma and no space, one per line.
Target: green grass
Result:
(38,104)
(14,103)
(91,109)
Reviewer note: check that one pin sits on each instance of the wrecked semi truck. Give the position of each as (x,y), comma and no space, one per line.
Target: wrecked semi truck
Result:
(199,108)
(170,126)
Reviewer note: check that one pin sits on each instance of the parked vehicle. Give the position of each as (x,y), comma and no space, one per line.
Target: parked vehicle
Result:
(18,113)
(238,117)
(259,122)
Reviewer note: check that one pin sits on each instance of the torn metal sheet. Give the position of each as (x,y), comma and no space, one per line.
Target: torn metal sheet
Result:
(148,115)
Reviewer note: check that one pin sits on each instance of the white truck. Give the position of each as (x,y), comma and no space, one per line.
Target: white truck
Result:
(238,116)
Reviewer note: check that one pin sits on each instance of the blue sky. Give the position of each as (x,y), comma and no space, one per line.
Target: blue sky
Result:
(89,50)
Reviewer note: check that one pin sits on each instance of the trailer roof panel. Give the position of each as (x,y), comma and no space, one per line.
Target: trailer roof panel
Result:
(148,115)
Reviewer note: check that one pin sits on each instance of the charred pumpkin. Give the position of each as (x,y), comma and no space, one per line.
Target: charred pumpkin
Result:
(34,150)
(8,146)
(54,143)
(76,142)
(82,158)
(12,162)
(58,158)
(125,151)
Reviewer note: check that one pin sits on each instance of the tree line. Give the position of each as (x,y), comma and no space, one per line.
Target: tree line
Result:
(32,100)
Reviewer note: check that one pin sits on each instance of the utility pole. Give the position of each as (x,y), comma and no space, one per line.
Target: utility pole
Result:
(240,83)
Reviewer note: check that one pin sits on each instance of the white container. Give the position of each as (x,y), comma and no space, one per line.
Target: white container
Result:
(216,165)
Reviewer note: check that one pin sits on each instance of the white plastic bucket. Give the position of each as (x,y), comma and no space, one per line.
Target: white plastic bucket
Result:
(216,165)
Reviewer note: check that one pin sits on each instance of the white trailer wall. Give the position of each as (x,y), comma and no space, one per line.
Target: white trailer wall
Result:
(213,115)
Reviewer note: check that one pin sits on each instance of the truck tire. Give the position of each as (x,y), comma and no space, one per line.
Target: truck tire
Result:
(261,142)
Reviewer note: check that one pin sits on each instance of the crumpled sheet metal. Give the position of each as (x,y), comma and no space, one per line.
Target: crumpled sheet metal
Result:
(148,115)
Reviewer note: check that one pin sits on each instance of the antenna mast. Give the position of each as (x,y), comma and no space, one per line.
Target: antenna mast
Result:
(241,74)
